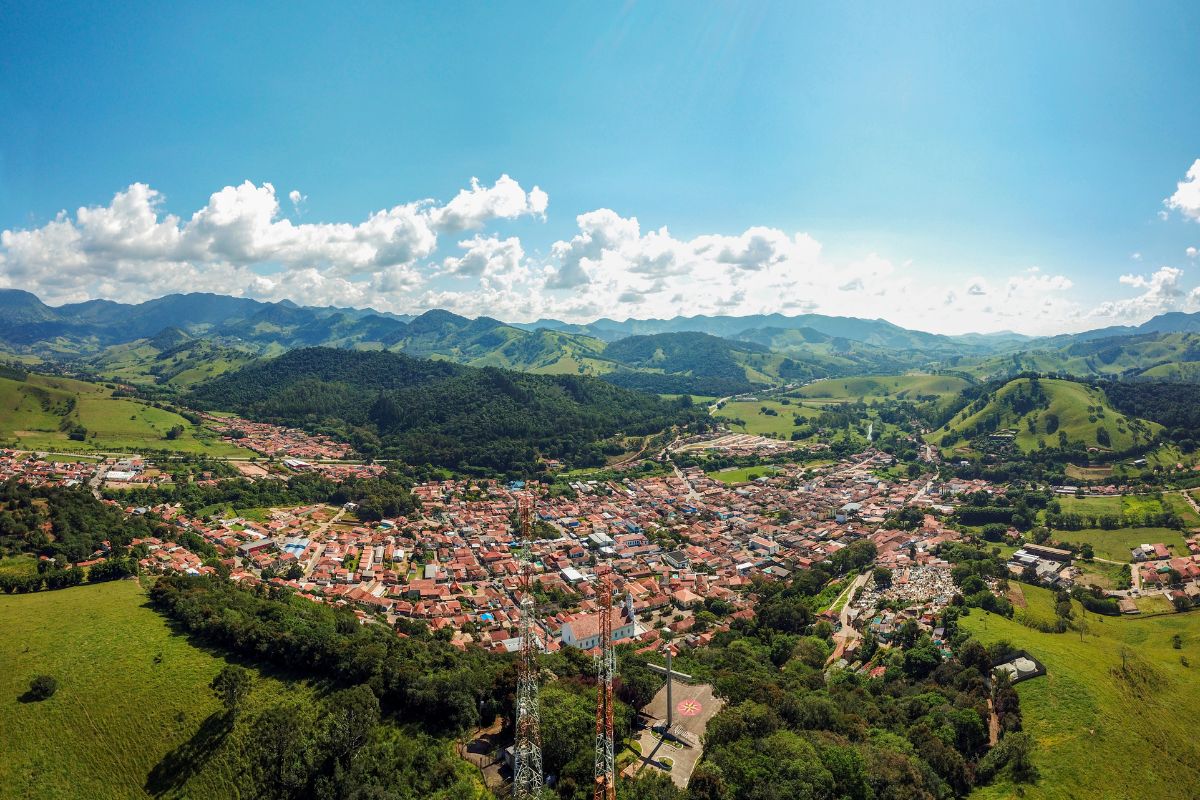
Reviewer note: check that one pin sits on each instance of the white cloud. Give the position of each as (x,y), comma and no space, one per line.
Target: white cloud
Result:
(1192,252)
(131,250)
(1186,199)
(1161,292)
(472,208)
(398,259)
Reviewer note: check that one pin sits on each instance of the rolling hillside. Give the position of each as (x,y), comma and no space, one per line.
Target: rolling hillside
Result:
(897,387)
(1104,730)
(171,358)
(134,716)
(41,412)
(1051,411)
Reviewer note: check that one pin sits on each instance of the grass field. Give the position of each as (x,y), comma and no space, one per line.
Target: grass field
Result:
(1116,544)
(900,387)
(1102,735)
(741,474)
(18,565)
(35,414)
(120,710)
(1178,504)
(1126,506)
(1081,473)
(1099,573)
(781,423)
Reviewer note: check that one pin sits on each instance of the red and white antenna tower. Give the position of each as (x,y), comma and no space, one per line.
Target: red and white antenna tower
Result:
(606,667)
(527,751)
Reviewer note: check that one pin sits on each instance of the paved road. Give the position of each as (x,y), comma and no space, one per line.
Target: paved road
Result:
(322,528)
(847,634)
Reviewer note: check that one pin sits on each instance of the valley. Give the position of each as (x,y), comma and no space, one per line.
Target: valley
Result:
(893,505)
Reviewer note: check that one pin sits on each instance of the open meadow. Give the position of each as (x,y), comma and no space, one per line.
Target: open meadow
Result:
(40,413)
(764,417)
(1104,731)
(1116,544)
(877,387)
(133,715)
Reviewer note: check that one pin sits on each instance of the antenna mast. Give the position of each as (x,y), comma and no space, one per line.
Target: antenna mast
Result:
(527,751)
(606,666)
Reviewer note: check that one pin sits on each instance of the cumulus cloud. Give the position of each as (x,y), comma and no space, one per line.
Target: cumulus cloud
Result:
(399,259)
(1186,199)
(131,249)
(1192,252)
(1161,292)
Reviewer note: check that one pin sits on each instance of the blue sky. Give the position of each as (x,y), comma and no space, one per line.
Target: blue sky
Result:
(941,165)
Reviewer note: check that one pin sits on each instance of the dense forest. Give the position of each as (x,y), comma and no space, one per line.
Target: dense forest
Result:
(485,421)
(68,524)
(1175,406)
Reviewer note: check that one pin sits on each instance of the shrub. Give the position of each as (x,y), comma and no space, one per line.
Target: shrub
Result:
(42,687)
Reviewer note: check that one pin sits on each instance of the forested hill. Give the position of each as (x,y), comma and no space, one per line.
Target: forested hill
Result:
(465,418)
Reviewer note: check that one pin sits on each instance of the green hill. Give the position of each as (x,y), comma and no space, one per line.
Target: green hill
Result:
(42,412)
(171,358)
(442,413)
(1051,411)
(1115,716)
(128,699)
(898,387)
(134,716)
(1162,356)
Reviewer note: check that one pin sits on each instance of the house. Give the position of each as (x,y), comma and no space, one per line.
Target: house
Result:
(583,632)
(676,559)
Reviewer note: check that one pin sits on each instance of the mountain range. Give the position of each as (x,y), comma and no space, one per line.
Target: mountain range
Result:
(185,338)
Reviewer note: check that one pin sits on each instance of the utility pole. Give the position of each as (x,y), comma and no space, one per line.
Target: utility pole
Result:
(527,750)
(606,666)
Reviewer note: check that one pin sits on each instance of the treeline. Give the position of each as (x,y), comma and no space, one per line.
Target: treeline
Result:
(417,677)
(483,421)
(66,524)
(377,498)
(57,577)
(1175,406)
(1017,508)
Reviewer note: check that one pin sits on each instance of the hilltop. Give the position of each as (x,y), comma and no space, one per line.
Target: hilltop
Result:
(437,412)
(1053,412)
(56,413)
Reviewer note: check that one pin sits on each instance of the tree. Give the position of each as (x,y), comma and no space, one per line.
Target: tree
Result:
(43,687)
(231,686)
(883,577)
(651,784)
(174,432)
(352,714)
(1087,552)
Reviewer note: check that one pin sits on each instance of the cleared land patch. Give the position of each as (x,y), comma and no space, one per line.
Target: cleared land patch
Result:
(1116,544)
(901,387)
